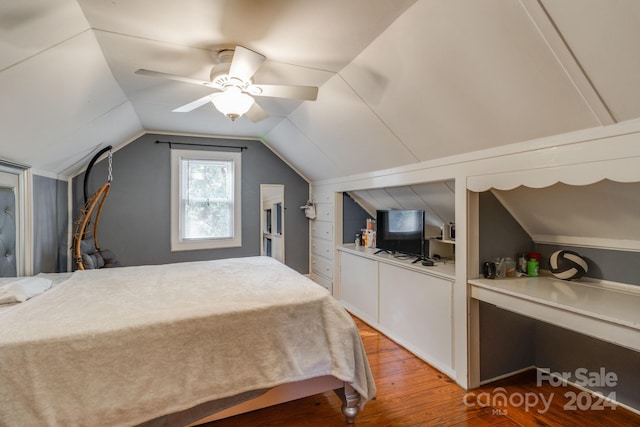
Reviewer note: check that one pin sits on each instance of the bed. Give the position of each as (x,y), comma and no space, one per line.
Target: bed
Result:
(171,344)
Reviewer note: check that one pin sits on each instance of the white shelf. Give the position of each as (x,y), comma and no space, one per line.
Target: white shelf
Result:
(451,242)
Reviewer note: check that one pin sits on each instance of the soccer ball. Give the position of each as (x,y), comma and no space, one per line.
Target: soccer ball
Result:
(567,265)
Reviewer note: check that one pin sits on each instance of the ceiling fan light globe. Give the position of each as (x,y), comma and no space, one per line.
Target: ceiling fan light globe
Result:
(232,104)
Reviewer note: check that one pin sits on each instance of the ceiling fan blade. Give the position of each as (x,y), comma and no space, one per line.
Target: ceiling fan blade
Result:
(306,93)
(245,63)
(193,105)
(256,113)
(150,73)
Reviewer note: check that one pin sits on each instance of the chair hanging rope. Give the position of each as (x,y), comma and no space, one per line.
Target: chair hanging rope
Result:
(91,163)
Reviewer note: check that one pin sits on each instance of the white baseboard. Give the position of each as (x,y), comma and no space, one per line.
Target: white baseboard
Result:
(507,375)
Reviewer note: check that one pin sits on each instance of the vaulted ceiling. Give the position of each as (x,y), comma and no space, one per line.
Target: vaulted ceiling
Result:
(400,81)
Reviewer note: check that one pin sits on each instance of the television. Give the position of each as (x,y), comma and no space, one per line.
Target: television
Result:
(400,231)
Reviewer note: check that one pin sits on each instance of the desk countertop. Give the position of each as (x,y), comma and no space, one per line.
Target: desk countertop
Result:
(614,303)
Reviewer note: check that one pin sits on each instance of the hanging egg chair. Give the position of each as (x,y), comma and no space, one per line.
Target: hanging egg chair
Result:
(87,254)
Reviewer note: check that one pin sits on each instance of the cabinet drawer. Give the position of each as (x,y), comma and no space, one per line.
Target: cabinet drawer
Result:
(322,229)
(323,281)
(323,197)
(322,266)
(324,212)
(322,247)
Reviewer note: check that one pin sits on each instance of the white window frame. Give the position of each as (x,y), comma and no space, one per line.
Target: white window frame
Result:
(179,244)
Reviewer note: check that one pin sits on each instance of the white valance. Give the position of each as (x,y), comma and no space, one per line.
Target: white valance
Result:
(618,170)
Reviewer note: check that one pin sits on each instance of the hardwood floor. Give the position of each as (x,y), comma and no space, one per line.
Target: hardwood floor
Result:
(412,393)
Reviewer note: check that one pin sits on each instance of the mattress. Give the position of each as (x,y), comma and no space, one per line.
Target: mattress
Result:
(123,346)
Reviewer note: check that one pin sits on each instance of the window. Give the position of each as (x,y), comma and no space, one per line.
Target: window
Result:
(205,200)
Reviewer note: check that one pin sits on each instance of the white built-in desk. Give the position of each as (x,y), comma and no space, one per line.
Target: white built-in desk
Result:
(604,310)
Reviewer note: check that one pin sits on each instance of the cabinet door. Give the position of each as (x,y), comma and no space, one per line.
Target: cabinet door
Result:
(359,286)
(416,309)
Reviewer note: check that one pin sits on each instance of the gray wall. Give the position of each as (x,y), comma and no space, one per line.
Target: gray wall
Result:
(135,222)
(500,235)
(354,219)
(509,341)
(617,266)
(50,225)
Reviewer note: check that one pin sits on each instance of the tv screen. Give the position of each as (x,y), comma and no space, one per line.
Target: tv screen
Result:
(400,230)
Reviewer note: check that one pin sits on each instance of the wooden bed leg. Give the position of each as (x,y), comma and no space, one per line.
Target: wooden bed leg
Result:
(350,401)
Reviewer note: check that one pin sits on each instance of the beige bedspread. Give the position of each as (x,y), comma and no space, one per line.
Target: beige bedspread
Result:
(122,346)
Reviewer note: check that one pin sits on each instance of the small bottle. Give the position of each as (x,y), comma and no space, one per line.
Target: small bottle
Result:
(532,267)
(357,240)
(500,268)
(509,267)
(522,263)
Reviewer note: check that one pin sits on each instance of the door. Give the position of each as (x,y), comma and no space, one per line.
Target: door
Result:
(272,221)
(8,225)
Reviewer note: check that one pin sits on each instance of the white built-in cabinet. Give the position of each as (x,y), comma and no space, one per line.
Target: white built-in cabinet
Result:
(322,239)
(410,303)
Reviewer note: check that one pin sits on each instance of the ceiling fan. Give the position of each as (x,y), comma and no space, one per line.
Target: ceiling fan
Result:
(234,90)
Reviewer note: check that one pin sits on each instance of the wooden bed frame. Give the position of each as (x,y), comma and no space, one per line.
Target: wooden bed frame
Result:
(292,391)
